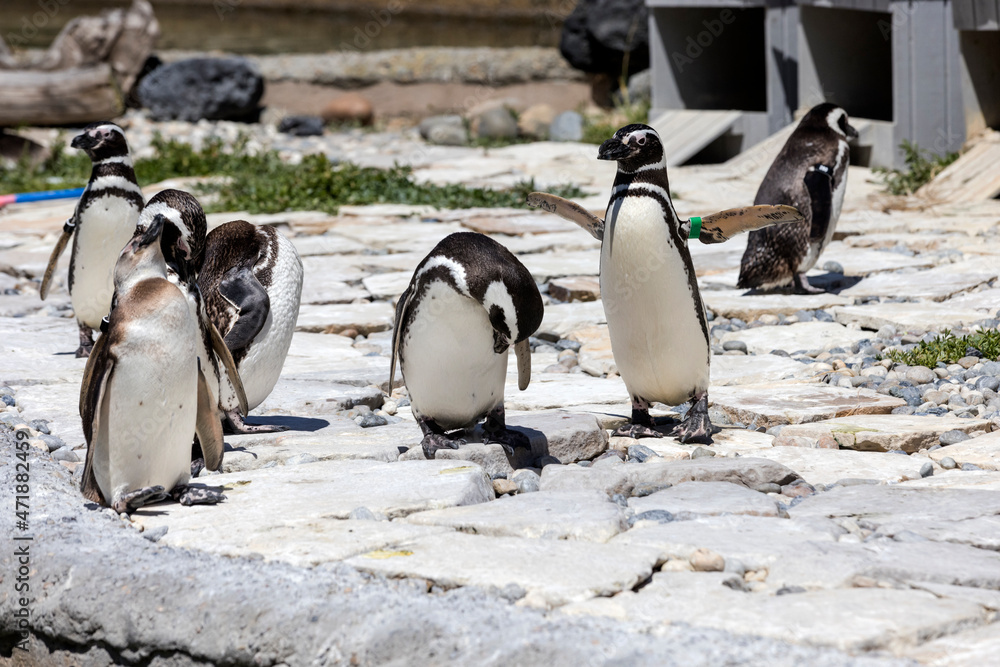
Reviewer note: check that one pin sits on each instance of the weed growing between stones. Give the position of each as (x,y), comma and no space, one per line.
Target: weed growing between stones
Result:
(921,167)
(264,183)
(949,348)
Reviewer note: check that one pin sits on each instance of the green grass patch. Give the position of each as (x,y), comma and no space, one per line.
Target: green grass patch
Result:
(921,167)
(949,348)
(264,183)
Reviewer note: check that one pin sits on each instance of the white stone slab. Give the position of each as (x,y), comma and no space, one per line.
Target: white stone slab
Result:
(776,404)
(749,307)
(923,316)
(794,337)
(827,466)
(883,433)
(691,499)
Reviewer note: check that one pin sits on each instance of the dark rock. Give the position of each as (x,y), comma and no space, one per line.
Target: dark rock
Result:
(702,452)
(646,489)
(737,345)
(927,469)
(496,123)
(620,500)
(948,463)
(527,481)
(8,400)
(988,382)
(371,419)
(209,88)
(52,442)
(65,454)
(301,126)
(598,33)
(641,453)
(659,516)
(970,466)
(823,316)
(953,437)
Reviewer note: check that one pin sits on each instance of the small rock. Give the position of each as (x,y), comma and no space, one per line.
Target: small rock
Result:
(705,560)
(52,442)
(641,453)
(735,345)
(927,469)
(658,516)
(504,486)
(567,126)
(495,123)
(64,454)
(527,481)
(953,436)
(40,425)
(970,466)
(299,459)
(920,375)
(701,452)
(301,126)
(8,400)
(968,362)
(155,534)
(197,88)
(362,514)
(370,419)
(648,488)
(833,267)
(948,463)
(797,489)
(349,108)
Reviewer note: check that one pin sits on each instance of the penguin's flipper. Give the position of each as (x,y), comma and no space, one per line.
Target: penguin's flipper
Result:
(522,350)
(241,288)
(723,225)
(57,252)
(88,371)
(221,351)
(819,183)
(208,426)
(91,413)
(568,210)
(402,306)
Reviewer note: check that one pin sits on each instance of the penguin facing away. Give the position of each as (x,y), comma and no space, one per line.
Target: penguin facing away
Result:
(103,222)
(183,246)
(656,318)
(252,283)
(809,173)
(469,300)
(144,395)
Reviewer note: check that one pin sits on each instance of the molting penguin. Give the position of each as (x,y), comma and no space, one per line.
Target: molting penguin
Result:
(252,282)
(656,318)
(469,300)
(144,396)
(183,247)
(103,222)
(809,173)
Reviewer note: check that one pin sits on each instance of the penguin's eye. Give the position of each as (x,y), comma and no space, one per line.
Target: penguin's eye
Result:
(641,141)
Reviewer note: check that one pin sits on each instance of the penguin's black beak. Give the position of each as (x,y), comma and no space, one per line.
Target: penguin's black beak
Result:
(83,141)
(851,132)
(613,149)
(152,233)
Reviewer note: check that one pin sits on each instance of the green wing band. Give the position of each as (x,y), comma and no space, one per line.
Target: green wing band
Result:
(695,228)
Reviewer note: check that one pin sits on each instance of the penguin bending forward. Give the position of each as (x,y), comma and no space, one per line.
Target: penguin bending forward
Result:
(656,318)
(252,283)
(144,395)
(809,173)
(103,222)
(469,300)
(183,247)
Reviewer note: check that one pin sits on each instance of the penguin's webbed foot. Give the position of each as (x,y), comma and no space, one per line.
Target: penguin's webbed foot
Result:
(636,431)
(133,500)
(197,465)
(696,424)
(508,439)
(802,286)
(187,494)
(233,424)
(432,442)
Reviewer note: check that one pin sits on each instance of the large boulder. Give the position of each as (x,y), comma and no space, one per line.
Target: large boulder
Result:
(598,33)
(209,88)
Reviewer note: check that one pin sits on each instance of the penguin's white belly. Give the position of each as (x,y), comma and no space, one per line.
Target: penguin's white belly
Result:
(451,371)
(265,357)
(148,413)
(653,316)
(105,227)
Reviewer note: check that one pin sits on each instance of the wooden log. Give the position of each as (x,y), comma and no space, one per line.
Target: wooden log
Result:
(56,98)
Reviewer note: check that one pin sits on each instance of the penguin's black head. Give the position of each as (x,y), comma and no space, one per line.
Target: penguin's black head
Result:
(633,147)
(830,116)
(184,231)
(101,141)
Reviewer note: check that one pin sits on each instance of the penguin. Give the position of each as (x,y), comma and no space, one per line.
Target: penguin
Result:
(144,394)
(809,173)
(183,246)
(252,283)
(103,222)
(469,300)
(656,318)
